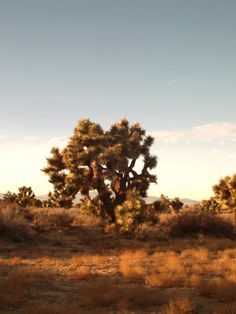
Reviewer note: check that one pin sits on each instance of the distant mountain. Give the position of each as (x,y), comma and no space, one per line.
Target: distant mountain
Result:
(148,200)
(42,197)
(186,201)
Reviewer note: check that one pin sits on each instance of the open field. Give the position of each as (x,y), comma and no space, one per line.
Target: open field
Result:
(81,269)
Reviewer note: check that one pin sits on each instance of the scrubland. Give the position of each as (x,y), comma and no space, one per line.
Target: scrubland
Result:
(61,261)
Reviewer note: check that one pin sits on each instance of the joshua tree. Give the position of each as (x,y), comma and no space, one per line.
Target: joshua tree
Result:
(104,162)
(10,197)
(24,198)
(224,196)
(225,193)
(176,204)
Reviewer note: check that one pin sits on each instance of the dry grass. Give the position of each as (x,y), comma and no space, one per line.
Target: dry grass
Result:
(83,272)
(132,264)
(225,309)
(102,274)
(56,218)
(179,305)
(13,223)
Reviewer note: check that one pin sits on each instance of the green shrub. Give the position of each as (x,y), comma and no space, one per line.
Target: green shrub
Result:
(133,212)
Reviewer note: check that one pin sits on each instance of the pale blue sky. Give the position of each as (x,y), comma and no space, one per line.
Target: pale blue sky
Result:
(169,64)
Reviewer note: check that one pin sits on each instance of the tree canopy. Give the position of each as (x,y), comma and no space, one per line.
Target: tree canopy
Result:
(104,162)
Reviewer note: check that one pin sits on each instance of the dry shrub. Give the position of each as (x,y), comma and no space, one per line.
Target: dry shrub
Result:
(223,265)
(13,223)
(223,290)
(132,264)
(200,254)
(225,309)
(52,262)
(134,255)
(82,272)
(53,218)
(88,260)
(193,281)
(131,271)
(87,220)
(164,280)
(179,305)
(99,260)
(230,253)
(167,271)
(197,222)
(146,231)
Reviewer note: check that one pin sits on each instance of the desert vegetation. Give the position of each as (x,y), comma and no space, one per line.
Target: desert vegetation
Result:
(112,252)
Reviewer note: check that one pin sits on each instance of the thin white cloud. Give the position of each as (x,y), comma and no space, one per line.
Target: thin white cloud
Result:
(2,136)
(30,138)
(217,131)
(172,82)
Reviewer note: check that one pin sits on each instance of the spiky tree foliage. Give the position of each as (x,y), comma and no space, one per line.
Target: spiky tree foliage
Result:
(9,197)
(225,192)
(224,196)
(102,161)
(165,204)
(210,205)
(25,197)
(176,204)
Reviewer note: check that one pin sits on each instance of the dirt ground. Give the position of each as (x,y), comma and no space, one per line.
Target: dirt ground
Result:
(84,270)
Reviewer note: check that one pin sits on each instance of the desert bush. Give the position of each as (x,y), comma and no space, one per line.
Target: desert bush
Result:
(192,222)
(86,219)
(53,219)
(147,231)
(13,223)
(179,305)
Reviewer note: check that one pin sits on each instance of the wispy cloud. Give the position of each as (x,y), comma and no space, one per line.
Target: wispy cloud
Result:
(217,131)
(29,138)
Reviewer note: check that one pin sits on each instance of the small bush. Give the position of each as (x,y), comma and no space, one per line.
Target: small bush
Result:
(179,305)
(13,223)
(53,219)
(133,212)
(192,222)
